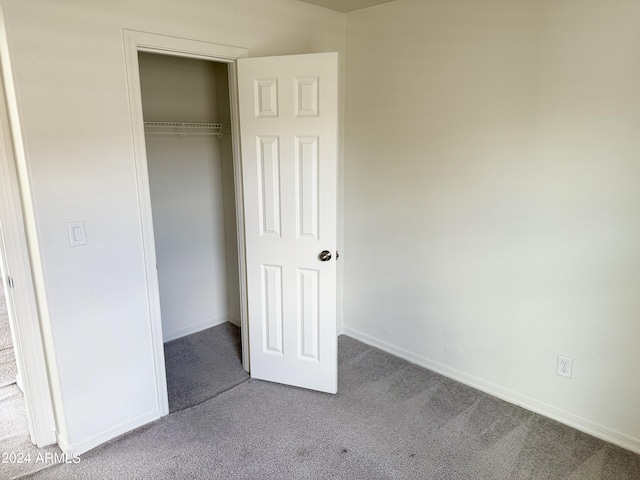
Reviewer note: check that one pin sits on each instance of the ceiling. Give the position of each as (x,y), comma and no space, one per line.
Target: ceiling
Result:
(346,6)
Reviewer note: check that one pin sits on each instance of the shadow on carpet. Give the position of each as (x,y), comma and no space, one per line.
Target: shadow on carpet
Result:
(203,365)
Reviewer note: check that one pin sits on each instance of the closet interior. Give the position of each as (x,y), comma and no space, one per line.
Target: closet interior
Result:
(187,120)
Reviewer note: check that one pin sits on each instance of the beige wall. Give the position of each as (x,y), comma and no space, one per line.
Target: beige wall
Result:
(67,60)
(491,197)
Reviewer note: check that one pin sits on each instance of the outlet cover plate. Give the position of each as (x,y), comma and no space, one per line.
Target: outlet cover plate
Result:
(564,366)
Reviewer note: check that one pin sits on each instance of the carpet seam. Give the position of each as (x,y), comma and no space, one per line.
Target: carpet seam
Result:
(211,398)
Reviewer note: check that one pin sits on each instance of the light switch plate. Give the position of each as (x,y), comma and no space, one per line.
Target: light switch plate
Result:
(77,234)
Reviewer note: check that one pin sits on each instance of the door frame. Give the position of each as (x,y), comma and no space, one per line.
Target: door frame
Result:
(20,291)
(135,42)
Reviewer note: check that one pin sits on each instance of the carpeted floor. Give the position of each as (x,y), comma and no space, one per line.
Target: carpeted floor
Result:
(8,368)
(202,365)
(14,427)
(389,420)
(19,455)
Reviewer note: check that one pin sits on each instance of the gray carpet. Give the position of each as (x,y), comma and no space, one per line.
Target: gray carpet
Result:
(8,368)
(389,420)
(14,426)
(203,365)
(15,439)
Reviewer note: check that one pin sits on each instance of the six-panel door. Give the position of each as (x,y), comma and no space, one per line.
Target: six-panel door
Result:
(289,138)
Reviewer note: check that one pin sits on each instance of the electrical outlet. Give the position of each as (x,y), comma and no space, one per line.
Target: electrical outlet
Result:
(565,365)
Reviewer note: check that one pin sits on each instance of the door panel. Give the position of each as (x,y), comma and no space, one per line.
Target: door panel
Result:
(289,137)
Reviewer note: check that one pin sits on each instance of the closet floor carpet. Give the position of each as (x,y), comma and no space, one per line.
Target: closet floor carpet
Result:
(389,420)
(203,365)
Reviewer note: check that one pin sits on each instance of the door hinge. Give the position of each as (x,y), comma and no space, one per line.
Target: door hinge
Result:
(10,281)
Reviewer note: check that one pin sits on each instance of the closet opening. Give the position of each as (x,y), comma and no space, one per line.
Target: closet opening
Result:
(190,161)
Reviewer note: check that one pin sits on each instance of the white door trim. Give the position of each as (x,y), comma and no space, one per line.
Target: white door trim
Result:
(134,42)
(21,299)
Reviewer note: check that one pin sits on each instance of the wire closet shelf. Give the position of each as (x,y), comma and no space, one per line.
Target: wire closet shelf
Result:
(183,129)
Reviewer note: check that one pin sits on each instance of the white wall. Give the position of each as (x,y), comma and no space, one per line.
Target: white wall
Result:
(493,160)
(492,166)
(185,175)
(67,60)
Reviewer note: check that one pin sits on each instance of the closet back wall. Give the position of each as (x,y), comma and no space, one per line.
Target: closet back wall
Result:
(185,175)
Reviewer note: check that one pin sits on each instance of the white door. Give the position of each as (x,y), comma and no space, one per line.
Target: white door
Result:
(289,138)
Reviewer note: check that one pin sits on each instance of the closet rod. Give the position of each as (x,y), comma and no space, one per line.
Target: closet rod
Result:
(186,128)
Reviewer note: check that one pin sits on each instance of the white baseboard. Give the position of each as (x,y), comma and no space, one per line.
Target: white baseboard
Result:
(233,320)
(64,445)
(574,421)
(196,327)
(19,383)
(340,330)
(70,449)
